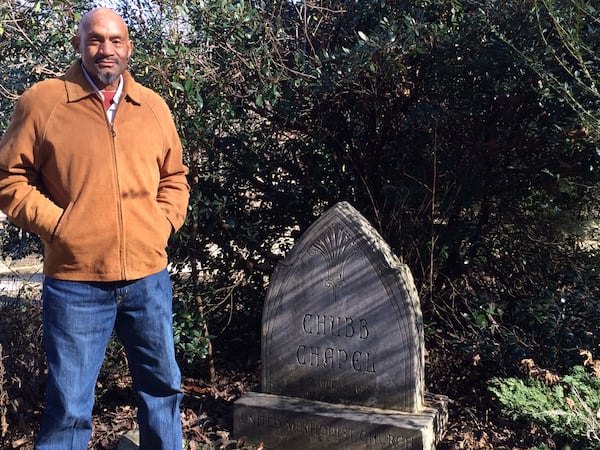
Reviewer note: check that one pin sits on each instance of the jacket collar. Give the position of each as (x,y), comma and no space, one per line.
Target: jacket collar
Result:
(78,87)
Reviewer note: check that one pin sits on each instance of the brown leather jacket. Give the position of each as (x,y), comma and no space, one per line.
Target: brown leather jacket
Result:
(104,199)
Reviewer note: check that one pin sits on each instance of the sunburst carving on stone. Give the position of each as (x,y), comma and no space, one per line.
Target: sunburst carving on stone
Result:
(337,248)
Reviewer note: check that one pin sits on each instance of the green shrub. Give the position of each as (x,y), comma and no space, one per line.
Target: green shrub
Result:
(456,128)
(191,341)
(568,409)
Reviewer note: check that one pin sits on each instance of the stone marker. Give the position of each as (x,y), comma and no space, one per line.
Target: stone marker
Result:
(342,348)
(129,441)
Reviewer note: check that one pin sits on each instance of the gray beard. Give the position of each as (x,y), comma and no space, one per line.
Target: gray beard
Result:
(107,78)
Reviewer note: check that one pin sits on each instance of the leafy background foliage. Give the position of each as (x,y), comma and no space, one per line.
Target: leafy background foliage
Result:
(466,132)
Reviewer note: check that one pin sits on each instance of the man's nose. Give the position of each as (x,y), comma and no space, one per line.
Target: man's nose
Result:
(106,48)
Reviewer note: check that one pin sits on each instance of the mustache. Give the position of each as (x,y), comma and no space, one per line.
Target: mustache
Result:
(113,59)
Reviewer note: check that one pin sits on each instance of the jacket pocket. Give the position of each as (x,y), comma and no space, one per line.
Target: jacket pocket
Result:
(147,227)
(168,228)
(61,223)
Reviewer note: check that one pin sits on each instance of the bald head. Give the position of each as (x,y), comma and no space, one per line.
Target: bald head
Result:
(102,39)
(102,15)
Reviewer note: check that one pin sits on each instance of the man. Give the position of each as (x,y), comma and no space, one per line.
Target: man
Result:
(104,189)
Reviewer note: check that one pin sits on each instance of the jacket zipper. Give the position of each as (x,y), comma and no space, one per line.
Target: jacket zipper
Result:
(122,255)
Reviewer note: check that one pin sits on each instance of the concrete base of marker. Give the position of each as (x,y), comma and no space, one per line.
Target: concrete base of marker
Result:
(291,423)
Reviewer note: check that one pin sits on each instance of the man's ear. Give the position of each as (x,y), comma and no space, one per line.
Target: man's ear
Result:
(75,41)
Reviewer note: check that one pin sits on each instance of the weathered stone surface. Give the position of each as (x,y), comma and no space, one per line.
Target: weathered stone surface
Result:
(130,441)
(342,348)
(291,423)
(342,320)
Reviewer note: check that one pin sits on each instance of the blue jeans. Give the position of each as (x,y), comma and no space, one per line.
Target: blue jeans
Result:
(78,320)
